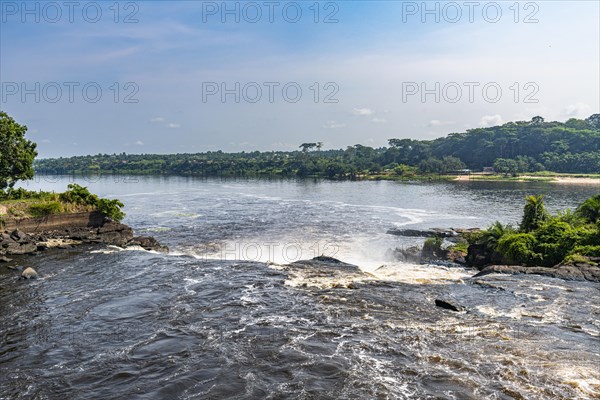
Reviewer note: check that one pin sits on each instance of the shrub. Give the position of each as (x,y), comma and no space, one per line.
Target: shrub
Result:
(589,251)
(45,209)
(81,195)
(534,213)
(433,245)
(112,208)
(519,248)
(590,209)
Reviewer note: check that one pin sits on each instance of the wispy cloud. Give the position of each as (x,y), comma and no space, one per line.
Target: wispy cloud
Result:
(334,125)
(577,110)
(157,119)
(490,120)
(437,122)
(362,112)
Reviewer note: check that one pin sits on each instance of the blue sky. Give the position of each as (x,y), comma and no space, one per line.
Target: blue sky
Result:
(374,64)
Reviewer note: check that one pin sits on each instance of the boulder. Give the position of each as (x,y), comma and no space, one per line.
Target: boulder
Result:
(409,254)
(19,236)
(448,305)
(15,248)
(29,273)
(148,243)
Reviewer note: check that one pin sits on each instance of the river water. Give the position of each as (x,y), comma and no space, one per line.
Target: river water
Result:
(221,317)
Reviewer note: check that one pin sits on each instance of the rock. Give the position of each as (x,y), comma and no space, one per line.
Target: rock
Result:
(148,243)
(19,236)
(114,233)
(412,232)
(441,232)
(20,248)
(29,273)
(5,259)
(410,254)
(325,272)
(448,306)
(586,272)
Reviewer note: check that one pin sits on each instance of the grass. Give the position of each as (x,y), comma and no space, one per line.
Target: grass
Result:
(35,208)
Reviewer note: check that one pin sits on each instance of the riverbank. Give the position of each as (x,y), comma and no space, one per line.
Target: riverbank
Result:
(30,236)
(558,178)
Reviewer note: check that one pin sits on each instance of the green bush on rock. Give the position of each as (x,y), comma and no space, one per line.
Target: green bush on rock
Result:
(81,195)
(543,239)
(518,248)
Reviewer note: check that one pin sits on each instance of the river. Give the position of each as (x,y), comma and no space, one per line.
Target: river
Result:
(220,317)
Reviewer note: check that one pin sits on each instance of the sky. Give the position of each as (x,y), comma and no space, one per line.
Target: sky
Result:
(192,76)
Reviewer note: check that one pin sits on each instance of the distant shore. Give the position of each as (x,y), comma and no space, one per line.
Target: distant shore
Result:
(571,180)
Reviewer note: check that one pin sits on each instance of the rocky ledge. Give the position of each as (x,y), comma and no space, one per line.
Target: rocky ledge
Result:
(449,233)
(45,235)
(573,272)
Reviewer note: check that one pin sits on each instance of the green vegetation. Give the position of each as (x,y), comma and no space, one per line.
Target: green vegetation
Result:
(23,203)
(45,209)
(16,152)
(513,148)
(81,195)
(16,163)
(543,239)
(590,209)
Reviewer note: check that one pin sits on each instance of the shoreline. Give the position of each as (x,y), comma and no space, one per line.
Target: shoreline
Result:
(565,180)
(31,236)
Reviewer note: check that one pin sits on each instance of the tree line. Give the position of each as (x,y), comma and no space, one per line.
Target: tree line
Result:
(515,147)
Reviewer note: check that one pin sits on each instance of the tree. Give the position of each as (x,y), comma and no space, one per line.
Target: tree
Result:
(16,152)
(594,120)
(307,146)
(590,209)
(534,214)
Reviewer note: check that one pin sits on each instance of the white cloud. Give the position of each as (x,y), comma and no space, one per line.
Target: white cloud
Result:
(45,140)
(157,119)
(437,122)
(577,110)
(362,112)
(139,143)
(490,120)
(173,125)
(334,125)
(379,120)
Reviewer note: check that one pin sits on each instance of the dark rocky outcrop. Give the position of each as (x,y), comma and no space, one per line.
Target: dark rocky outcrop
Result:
(414,254)
(433,232)
(448,305)
(64,231)
(479,256)
(575,272)
(410,254)
(148,243)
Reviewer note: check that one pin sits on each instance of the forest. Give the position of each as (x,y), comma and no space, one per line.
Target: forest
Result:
(512,148)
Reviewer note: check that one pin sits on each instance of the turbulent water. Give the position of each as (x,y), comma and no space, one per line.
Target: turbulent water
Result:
(222,317)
